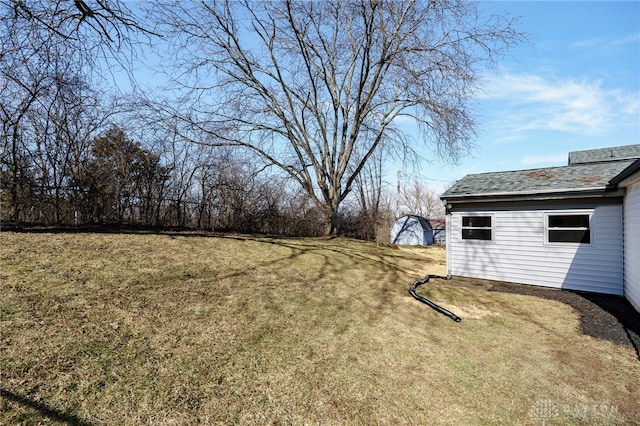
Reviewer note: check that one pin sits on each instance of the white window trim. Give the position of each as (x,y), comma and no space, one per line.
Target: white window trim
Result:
(478,214)
(592,233)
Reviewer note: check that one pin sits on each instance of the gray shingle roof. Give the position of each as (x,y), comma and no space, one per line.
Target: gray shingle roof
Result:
(629,171)
(589,169)
(560,179)
(604,154)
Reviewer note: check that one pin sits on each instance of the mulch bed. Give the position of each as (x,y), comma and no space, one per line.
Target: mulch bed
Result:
(603,316)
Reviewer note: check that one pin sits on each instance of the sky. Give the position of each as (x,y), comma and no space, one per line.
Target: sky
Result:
(574,86)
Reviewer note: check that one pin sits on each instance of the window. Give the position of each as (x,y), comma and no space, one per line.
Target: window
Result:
(477,228)
(568,228)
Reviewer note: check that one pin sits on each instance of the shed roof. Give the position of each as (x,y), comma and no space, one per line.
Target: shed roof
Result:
(625,152)
(629,171)
(424,223)
(588,170)
(580,176)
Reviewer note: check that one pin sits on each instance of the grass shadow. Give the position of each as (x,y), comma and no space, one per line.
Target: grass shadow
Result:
(44,409)
(298,245)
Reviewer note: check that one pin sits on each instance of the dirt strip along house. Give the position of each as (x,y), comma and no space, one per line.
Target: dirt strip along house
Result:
(573,227)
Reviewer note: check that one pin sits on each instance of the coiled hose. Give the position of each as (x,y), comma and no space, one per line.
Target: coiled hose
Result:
(412,291)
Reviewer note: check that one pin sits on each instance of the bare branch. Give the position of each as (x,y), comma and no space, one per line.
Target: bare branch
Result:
(315,88)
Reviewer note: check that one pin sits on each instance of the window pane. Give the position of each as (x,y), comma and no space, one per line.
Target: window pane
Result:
(569,236)
(476,234)
(477,221)
(569,221)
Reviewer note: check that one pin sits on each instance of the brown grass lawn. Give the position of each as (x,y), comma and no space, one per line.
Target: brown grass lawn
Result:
(192,329)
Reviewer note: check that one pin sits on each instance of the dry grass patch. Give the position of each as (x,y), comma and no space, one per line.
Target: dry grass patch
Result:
(180,329)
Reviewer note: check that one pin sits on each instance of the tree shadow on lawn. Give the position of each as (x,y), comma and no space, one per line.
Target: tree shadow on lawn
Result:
(43,409)
(298,246)
(603,316)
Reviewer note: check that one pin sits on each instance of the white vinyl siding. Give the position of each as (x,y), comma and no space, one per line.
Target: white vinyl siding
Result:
(518,252)
(632,245)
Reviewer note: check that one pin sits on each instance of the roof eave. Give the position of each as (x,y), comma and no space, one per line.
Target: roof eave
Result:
(540,195)
(626,173)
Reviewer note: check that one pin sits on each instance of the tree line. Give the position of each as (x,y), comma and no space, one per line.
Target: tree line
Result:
(277,117)
(112,180)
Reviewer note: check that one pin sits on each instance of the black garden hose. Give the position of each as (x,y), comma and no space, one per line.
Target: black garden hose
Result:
(412,291)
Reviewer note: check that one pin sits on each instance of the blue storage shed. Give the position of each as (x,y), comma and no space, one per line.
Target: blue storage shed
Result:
(412,230)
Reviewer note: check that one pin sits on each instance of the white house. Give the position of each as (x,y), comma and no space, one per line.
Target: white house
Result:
(629,179)
(574,227)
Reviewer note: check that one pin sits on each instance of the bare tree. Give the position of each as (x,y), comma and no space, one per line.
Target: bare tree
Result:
(303,84)
(367,193)
(92,26)
(49,108)
(419,200)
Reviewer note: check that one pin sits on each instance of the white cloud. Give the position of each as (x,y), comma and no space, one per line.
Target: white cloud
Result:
(632,39)
(588,43)
(526,102)
(605,42)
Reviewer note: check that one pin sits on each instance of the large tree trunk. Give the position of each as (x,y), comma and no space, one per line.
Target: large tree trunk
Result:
(331,229)
(332,218)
